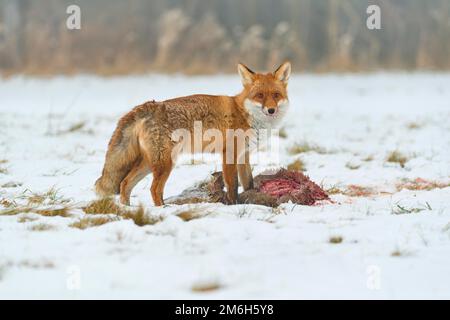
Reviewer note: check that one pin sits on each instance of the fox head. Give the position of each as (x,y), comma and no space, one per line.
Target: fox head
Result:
(265,95)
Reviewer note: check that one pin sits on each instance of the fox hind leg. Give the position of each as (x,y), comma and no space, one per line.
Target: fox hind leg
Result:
(136,174)
(161,173)
(160,176)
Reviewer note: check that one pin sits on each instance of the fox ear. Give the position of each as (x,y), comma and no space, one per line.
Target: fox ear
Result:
(246,74)
(283,72)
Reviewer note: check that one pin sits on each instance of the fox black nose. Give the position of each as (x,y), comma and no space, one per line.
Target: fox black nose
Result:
(271,110)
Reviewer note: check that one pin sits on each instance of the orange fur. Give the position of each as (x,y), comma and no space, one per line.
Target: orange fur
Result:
(142,142)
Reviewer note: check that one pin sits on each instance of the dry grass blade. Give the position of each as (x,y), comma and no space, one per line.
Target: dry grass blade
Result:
(61,212)
(50,212)
(108,206)
(282,133)
(103,206)
(140,217)
(297,165)
(8,203)
(336,239)
(303,147)
(399,209)
(95,221)
(192,214)
(352,166)
(206,287)
(26,218)
(49,197)
(397,157)
(42,227)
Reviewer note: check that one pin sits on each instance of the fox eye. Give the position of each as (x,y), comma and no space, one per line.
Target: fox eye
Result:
(259,95)
(276,95)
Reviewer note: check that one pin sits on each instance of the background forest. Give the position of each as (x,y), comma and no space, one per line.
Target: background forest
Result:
(195,36)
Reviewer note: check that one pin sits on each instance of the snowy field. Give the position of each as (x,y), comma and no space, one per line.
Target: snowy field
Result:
(380,144)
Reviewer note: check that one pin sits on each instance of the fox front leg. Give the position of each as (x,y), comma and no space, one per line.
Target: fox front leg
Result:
(245,170)
(230,178)
(245,176)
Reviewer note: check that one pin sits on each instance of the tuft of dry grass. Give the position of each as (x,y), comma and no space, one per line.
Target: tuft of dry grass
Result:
(368,158)
(396,253)
(244,211)
(352,166)
(206,287)
(26,218)
(273,213)
(3,170)
(89,222)
(414,125)
(40,203)
(13,210)
(420,184)
(191,214)
(333,190)
(34,201)
(42,227)
(11,184)
(335,239)
(297,165)
(8,203)
(36,264)
(61,212)
(74,127)
(400,253)
(398,209)
(303,147)
(108,206)
(282,133)
(104,206)
(49,197)
(397,157)
(141,218)
(51,212)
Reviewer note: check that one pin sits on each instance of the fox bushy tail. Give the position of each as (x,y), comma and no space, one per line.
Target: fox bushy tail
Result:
(123,153)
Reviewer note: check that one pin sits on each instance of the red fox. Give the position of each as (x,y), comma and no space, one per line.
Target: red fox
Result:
(142,143)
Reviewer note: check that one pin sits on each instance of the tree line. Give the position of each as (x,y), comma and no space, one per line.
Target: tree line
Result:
(210,36)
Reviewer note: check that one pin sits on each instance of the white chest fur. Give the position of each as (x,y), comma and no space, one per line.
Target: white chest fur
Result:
(260,120)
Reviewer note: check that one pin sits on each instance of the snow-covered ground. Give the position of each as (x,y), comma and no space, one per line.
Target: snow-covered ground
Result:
(388,242)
